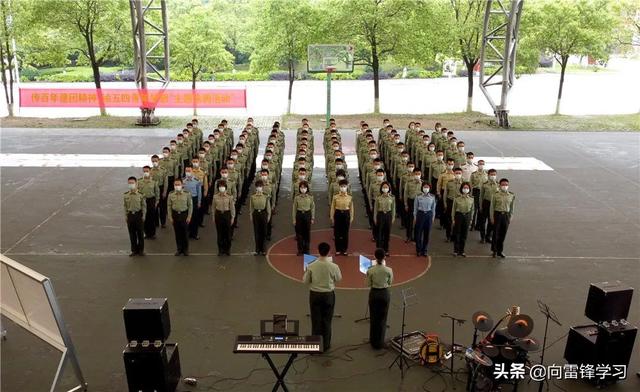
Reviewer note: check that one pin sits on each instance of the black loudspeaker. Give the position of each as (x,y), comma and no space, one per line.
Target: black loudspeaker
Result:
(608,301)
(595,344)
(147,319)
(152,368)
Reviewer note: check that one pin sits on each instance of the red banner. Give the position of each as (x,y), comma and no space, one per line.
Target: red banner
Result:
(133,98)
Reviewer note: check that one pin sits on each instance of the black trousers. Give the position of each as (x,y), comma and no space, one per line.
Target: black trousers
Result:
(303,230)
(151,217)
(180,228)
(383,230)
(409,219)
(486,227)
(446,218)
(422,231)
(461,228)
(134,225)
(341,223)
(475,219)
(195,218)
(223,230)
(156,222)
(204,207)
(163,202)
(378,309)
(321,306)
(260,229)
(440,209)
(501,222)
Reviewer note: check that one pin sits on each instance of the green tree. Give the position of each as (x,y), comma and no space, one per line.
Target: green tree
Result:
(95,28)
(282,31)
(627,29)
(197,45)
(235,15)
(571,27)
(467,31)
(7,54)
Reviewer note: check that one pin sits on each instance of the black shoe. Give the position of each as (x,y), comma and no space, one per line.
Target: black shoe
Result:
(228,254)
(263,253)
(163,226)
(501,255)
(220,254)
(201,225)
(178,253)
(141,254)
(256,253)
(299,254)
(447,240)
(132,254)
(185,253)
(482,240)
(455,254)
(493,255)
(268,238)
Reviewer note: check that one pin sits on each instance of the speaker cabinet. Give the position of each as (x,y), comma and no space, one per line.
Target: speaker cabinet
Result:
(608,301)
(152,369)
(147,319)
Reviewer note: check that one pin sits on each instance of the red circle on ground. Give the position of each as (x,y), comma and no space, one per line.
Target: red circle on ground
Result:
(406,265)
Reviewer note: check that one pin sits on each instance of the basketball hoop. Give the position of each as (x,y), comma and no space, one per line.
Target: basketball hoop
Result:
(330,69)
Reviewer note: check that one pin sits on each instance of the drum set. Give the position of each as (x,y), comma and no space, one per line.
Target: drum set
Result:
(505,349)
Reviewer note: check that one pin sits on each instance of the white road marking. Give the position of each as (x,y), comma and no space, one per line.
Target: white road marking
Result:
(139,160)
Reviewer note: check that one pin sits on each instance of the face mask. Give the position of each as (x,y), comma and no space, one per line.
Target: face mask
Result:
(336,148)
(165,154)
(504,188)
(302,177)
(196,165)
(469,161)
(465,190)
(155,163)
(258,189)
(230,165)
(450,167)
(222,188)
(173,147)
(303,190)
(458,176)
(480,167)
(239,150)
(432,148)
(146,174)
(265,166)
(373,156)
(339,166)
(440,157)
(340,178)
(380,178)
(425,190)
(417,177)
(410,169)
(188,174)
(405,159)
(179,141)
(206,148)
(264,178)
(224,175)
(217,136)
(234,156)
(492,178)
(132,186)
(461,149)
(212,140)
(343,189)
(385,190)
(178,188)
(376,167)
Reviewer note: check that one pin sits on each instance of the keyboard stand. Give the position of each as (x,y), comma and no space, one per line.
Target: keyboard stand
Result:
(280,375)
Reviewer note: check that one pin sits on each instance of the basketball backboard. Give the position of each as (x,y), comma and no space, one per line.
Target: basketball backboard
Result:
(336,58)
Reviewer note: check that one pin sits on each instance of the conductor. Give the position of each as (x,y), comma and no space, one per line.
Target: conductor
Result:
(379,278)
(321,276)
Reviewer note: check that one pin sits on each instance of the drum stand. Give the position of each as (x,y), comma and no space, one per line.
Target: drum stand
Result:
(400,359)
(550,315)
(452,371)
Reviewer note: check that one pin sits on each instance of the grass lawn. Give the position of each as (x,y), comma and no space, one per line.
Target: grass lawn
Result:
(455,121)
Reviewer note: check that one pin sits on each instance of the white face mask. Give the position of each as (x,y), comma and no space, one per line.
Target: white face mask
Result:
(440,157)
(405,159)
(224,175)
(179,141)
(504,188)
(343,189)
(380,178)
(340,166)
(265,166)
(492,178)
(470,161)
(132,186)
(373,156)
(461,149)
(212,140)
(480,167)
(173,147)
(302,177)
(268,157)
(146,174)
(449,167)
(340,178)
(458,176)
(201,155)
(264,178)
(154,164)
(234,156)
(165,154)
(206,148)
(303,190)
(410,169)
(222,188)
(178,188)
(230,165)
(258,189)
(425,190)
(196,165)
(188,174)
(432,148)
(376,167)
(417,177)
(465,190)
(385,190)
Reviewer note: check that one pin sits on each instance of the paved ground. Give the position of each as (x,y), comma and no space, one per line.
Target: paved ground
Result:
(612,91)
(574,225)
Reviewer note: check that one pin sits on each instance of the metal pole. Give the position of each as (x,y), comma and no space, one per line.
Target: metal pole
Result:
(328,98)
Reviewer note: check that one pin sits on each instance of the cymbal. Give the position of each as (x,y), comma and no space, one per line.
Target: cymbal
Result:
(508,352)
(520,326)
(482,321)
(528,344)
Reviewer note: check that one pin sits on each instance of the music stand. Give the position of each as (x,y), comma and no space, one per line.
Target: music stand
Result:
(453,343)
(550,315)
(409,298)
(364,264)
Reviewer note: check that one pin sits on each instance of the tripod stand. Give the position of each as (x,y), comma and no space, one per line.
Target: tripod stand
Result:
(400,359)
(550,315)
(452,372)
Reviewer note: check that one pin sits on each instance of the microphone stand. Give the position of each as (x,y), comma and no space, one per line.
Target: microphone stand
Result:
(453,343)
(548,313)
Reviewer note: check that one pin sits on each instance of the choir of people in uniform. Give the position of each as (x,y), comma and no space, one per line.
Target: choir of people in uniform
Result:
(303,212)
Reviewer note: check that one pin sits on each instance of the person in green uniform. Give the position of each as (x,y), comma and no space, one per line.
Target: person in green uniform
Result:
(342,214)
(478,178)
(450,190)
(259,214)
(170,165)
(180,208)
(461,218)
(303,214)
(224,213)
(384,216)
(487,190)
(134,212)
(412,189)
(379,279)
(160,175)
(501,214)
(151,192)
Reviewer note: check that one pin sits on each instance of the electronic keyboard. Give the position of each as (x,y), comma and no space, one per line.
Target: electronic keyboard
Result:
(278,344)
